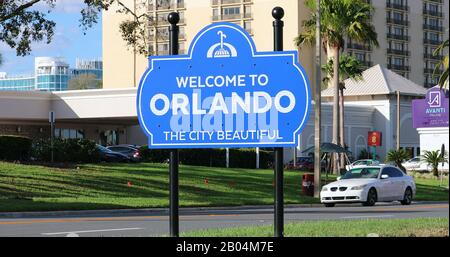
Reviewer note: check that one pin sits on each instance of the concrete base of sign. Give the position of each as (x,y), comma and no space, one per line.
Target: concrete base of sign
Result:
(431,139)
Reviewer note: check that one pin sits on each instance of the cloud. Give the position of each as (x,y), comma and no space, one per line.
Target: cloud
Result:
(62,6)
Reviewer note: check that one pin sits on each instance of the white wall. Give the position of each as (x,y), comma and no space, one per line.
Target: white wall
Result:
(431,139)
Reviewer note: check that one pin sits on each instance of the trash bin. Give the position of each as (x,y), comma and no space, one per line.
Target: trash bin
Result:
(308,184)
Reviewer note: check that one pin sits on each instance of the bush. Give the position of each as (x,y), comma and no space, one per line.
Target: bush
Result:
(239,158)
(14,148)
(66,150)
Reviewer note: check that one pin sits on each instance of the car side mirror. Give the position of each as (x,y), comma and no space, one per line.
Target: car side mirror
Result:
(338,178)
(384,176)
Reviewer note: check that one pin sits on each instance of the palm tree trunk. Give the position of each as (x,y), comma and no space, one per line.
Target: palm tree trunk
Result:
(335,84)
(341,123)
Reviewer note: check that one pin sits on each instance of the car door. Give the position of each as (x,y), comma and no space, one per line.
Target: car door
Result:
(399,183)
(386,186)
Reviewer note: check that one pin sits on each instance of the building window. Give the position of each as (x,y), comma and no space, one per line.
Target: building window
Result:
(69,133)
(231,13)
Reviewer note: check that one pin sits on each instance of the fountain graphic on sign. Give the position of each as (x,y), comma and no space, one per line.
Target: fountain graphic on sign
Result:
(218,50)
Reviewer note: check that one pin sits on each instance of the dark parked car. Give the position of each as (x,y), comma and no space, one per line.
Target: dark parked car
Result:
(107,155)
(131,151)
(302,163)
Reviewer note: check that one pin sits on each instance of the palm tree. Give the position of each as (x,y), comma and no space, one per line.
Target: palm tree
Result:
(443,79)
(339,19)
(349,68)
(433,158)
(398,156)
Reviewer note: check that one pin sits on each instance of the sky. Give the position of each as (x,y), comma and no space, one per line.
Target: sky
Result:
(68,41)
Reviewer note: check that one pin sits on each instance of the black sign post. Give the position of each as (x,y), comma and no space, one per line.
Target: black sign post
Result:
(51,119)
(173,19)
(278,24)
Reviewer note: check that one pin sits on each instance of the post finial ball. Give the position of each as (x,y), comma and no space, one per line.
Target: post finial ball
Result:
(173,18)
(278,13)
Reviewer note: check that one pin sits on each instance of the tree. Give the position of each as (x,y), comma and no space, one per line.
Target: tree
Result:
(443,78)
(339,19)
(433,158)
(398,157)
(84,81)
(349,68)
(20,24)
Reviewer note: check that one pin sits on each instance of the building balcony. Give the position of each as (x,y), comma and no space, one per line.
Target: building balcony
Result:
(225,2)
(432,41)
(162,21)
(359,46)
(433,13)
(398,52)
(397,21)
(165,6)
(367,64)
(436,1)
(428,84)
(226,17)
(397,6)
(431,71)
(398,67)
(397,37)
(165,37)
(434,57)
(433,27)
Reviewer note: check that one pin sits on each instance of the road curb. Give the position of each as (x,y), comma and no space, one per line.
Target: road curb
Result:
(165,211)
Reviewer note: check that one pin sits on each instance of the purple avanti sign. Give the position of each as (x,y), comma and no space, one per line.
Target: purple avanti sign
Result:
(431,111)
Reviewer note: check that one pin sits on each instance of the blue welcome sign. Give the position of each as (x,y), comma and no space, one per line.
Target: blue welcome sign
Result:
(223,93)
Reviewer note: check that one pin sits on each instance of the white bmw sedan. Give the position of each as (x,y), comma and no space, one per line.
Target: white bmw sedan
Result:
(368,185)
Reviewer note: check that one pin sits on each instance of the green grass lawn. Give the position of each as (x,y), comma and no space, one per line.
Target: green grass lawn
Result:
(340,228)
(104,186)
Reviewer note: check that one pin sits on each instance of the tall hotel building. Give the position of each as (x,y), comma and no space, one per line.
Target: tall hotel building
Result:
(408,32)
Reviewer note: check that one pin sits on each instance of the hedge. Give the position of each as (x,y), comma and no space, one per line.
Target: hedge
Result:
(66,150)
(14,148)
(239,158)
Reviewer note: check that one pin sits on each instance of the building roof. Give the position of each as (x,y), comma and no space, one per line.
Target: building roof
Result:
(378,80)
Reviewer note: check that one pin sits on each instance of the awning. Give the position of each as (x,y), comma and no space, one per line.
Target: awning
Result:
(328,148)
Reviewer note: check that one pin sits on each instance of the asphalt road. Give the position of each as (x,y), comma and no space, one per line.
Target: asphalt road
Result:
(157,224)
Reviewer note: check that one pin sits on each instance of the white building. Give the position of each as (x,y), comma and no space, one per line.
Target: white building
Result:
(371,105)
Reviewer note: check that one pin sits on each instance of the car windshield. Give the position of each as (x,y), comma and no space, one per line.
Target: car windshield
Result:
(103,149)
(416,159)
(361,173)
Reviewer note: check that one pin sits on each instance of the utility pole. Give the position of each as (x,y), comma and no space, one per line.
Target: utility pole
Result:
(317,109)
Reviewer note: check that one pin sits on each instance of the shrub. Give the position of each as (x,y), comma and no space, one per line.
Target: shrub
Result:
(14,148)
(398,156)
(66,150)
(239,158)
(434,158)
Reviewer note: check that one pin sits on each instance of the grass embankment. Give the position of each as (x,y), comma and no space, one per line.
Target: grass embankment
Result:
(420,227)
(104,186)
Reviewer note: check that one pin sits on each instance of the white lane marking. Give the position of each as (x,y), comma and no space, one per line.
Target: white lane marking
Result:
(361,217)
(72,235)
(89,231)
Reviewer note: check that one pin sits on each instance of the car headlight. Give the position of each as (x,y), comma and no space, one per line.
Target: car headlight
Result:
(358,187)
(324,189)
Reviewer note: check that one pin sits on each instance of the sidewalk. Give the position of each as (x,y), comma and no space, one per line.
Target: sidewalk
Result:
(165,211)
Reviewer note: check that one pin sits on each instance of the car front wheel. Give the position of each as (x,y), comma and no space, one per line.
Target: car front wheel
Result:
(371,198)
(407,198)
